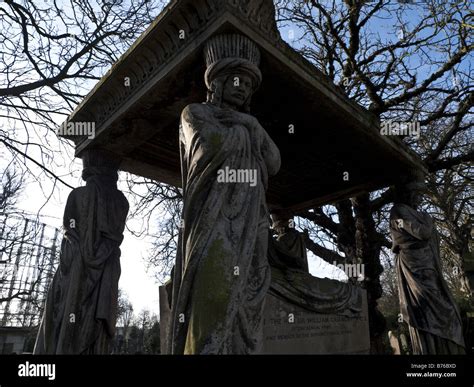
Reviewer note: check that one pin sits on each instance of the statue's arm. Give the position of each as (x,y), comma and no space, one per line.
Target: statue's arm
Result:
(401,219)
(106,248)
(111,234)
(195,118)
(71,217)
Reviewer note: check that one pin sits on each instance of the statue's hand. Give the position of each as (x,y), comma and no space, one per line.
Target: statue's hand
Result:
(249,121)
(226,117)
(231,117)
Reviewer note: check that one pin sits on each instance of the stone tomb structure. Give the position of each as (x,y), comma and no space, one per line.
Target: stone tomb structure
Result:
(291,329)
(329,147)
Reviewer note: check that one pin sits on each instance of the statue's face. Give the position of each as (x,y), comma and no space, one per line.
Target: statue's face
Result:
(237,89)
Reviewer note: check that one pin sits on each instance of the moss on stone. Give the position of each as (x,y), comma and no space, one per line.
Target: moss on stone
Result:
(211,295)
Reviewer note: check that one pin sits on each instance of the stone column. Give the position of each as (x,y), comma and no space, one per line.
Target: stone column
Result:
(81,307)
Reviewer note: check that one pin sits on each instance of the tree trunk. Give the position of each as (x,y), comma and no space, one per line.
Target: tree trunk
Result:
(368,253)
(346,230)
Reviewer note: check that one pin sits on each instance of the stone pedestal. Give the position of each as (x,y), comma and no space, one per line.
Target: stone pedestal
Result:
(290,329)
(309,333)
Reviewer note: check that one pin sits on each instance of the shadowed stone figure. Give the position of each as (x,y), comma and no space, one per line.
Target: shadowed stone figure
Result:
(425,301)
(290,241)
(292,282)
(221,274)
(81,306)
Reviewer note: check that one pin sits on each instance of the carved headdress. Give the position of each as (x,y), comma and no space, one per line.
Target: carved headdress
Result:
(99,162)
(408,185)
(226,54)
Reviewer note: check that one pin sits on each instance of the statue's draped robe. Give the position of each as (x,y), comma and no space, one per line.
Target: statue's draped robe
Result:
(81,306)
(221,274)
(292,244)
(425,301)
(292,282)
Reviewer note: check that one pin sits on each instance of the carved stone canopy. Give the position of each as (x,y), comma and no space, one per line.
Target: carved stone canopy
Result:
(331,148)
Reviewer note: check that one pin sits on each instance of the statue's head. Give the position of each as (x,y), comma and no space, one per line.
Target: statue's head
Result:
(282,221)
(232,73)
(410,191)
(99,162)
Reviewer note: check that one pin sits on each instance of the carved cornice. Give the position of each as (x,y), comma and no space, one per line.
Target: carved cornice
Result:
(260,13)
(168,35)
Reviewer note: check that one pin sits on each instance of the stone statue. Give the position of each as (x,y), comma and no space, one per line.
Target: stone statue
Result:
(221,274)
(292,282)
(81,306)
(425,301)
(290,240)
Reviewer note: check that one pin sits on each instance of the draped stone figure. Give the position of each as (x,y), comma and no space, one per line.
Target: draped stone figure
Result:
(290,242)
(221,274)
(425,301)
(292,282)
(81,305)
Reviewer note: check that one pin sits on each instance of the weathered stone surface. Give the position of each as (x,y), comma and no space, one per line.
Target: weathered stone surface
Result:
(140,122)
(221,279)
(305,314)
(81,307)
(165,313)
(426,303)
(313,333)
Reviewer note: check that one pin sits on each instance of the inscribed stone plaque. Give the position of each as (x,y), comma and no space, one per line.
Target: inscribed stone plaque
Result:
(290,329)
